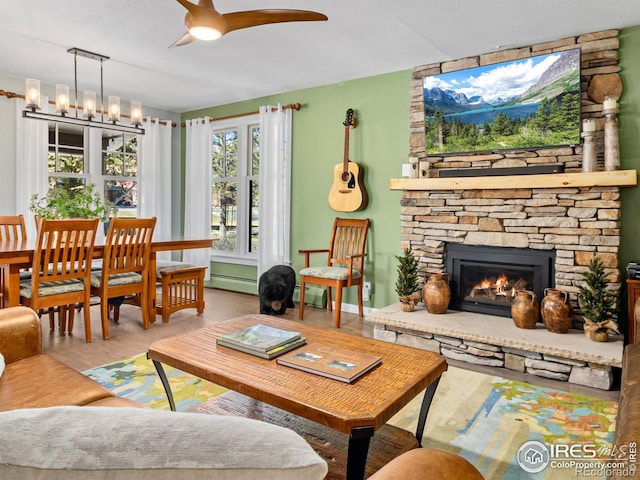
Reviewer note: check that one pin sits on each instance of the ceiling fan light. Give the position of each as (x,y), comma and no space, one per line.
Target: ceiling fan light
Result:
(205,33)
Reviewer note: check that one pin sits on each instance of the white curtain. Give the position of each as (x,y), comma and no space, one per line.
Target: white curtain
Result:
(154,174)
(275,188)
(32,175)
(197,188)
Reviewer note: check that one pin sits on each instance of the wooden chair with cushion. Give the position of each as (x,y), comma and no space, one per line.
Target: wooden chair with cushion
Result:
(61,269)
(125,267)
(12,229)
(344,267)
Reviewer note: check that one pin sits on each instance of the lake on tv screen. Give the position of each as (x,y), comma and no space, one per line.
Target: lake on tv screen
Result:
(487,115)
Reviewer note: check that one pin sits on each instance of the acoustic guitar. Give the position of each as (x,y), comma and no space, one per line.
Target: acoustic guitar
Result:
(347,193)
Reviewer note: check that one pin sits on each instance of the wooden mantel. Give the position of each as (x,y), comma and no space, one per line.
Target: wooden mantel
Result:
(616,178)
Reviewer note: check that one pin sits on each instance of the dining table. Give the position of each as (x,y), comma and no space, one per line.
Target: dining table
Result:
(18,255)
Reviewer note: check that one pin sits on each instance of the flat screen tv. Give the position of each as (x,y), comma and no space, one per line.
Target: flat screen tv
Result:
(521,104)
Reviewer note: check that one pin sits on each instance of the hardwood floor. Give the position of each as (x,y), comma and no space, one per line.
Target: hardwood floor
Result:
(127,338)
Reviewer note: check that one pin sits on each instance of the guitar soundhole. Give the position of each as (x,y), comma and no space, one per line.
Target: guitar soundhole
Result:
(349,179)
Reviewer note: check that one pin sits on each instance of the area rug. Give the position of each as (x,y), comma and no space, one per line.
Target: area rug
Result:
(486,419)
(136,378)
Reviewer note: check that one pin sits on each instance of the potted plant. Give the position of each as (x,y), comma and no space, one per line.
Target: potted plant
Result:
(407,286)
(82,201)
(598,304)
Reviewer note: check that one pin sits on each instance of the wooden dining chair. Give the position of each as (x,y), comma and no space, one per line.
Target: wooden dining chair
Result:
(344,267)
(12,229)
(61,268)
(125,267)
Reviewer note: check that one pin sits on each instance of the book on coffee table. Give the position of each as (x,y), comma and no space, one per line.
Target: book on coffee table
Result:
(259,338)
(269,354)
(331,362)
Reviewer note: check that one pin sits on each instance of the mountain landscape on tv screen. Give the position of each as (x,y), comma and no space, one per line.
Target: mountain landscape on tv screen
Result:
(528,103)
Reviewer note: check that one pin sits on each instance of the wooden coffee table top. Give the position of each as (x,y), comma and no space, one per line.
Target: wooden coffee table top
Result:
(370,401)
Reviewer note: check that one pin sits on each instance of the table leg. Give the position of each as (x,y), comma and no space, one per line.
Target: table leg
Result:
(424,409)
(357,453)
(165,383)
(12,285)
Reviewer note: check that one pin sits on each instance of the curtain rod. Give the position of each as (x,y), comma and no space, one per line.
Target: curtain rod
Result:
(294,106)
(51,102)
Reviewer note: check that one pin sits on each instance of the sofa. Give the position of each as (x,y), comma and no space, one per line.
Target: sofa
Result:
(627,433)
(56,423)
(32,379)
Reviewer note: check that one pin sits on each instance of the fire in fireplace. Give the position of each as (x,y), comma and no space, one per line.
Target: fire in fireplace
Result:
(484,279)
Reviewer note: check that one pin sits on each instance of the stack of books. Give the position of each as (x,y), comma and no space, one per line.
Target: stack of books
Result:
(262,341)
(328,361)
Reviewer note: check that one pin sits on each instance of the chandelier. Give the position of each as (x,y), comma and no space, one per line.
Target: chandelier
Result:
(89,117)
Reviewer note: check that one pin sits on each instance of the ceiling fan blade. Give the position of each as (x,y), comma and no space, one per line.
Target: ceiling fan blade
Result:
(253,18)
(195,9)
(184,40)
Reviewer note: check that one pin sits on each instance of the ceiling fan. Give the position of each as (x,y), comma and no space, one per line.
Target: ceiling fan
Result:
(204,22)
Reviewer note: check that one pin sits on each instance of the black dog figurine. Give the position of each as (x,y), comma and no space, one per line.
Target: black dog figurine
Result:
(276,288)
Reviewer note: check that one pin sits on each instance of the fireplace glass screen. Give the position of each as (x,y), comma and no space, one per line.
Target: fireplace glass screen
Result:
(485,279)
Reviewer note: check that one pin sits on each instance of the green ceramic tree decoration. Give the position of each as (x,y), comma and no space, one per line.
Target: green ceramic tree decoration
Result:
(597,303)
(407,286)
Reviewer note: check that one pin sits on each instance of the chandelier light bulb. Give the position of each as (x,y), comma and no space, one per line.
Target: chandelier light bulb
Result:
(136,112)
(114,108)
(32,94)
(89,104)
(62,99)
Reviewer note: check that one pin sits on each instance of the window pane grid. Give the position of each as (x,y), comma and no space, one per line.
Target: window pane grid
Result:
(234,189)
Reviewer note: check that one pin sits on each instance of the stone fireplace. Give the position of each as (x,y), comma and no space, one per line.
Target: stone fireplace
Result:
(559,220)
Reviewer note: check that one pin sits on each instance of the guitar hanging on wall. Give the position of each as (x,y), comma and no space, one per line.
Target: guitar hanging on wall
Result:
(347,193)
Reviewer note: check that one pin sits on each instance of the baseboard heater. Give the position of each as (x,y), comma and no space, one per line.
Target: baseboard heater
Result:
(314,296)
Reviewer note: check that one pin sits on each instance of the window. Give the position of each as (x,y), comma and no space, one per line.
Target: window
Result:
(66,159)
(119,154)
(235,165)
(114,165)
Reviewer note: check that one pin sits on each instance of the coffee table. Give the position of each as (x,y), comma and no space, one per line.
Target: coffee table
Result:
(357,409)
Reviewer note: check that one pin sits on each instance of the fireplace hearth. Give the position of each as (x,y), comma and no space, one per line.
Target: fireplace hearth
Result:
(484,279)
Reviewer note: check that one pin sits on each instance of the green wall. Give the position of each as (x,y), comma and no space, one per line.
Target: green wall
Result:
(629,128)
(379,144)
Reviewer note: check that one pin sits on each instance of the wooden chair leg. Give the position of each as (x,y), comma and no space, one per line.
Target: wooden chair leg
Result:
(301,306)
(360,302)
(87,323)
(336,317)
(62,319)
(329,302)
(104,317)
(72,311)
(144,306)
(52,319)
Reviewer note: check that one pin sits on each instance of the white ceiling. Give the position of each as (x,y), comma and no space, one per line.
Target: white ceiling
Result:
(360,39)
